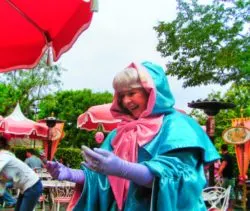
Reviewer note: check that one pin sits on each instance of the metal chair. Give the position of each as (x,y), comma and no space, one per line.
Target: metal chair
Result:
(61,195)
(217,197)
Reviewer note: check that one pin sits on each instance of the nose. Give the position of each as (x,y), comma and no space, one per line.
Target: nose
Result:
(126,99)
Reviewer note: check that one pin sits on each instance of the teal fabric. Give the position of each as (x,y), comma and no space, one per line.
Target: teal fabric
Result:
(176,156)
(164,98)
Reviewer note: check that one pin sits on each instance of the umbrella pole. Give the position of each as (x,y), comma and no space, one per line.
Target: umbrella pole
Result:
(49,149)
(49,144)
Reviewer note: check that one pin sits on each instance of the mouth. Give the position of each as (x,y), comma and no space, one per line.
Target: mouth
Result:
(133,108)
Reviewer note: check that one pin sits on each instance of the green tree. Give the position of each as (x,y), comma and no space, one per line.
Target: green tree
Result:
(68,105)
(28,86)
(207,44)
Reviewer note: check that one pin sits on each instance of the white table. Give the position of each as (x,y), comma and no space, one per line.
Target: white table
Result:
(57,183)
(44,175)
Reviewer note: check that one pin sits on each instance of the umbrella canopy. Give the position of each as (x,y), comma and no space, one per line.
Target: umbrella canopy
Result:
(17,125)
(29,28)
(1,129)
(97,116)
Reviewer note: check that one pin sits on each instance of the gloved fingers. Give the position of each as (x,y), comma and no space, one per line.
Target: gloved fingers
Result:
(87,165)
(86,157)
(94,166)
(92,155)
(61,176)
(55,173)
(50,165)
(103,152)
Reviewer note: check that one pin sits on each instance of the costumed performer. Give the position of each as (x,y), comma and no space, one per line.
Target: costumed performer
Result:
(154,160)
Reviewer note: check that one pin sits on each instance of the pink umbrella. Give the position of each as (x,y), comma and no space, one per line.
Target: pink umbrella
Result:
(17,125)
(98,116)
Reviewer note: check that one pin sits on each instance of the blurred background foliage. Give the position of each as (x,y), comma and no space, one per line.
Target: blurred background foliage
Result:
(200,47)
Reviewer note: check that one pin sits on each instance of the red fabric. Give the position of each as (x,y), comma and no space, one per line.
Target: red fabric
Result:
(24,25)
(75,197)
(97,116)
(56,135)
(242,150)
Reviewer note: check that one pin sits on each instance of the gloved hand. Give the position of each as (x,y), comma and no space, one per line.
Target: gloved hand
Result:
(60,172)
(105,162)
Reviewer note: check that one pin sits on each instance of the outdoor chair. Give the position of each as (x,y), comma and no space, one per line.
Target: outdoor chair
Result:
(41,201)
(61,195)
(217,197)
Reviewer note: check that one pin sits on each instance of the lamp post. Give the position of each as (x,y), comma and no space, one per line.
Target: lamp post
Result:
(211,108)
(34,107)
(50,122)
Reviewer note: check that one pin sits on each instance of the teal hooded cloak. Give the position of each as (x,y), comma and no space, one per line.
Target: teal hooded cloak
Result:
(176,157)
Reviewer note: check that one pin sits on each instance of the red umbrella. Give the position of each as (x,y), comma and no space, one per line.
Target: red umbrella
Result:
(17,125)
(29,28)
(1,118)
(97,116)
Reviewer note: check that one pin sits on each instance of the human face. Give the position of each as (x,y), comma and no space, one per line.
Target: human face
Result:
(134,100)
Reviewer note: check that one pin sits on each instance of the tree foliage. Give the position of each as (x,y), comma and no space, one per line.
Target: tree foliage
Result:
(7,97)
(207,44)
(28,86)
(68,105)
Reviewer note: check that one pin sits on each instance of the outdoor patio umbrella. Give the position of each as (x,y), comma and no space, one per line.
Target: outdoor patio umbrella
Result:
(98,116)
(29,28)
(16,125)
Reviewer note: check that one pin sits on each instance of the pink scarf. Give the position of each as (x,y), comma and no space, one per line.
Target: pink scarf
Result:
(129,136)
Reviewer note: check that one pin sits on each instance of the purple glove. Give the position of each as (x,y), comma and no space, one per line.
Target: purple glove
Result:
(105,162)
(60,172)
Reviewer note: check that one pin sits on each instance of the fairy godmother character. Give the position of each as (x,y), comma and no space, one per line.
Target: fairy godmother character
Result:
(153,160)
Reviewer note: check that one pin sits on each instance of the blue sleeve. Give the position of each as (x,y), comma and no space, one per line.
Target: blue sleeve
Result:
(179,180)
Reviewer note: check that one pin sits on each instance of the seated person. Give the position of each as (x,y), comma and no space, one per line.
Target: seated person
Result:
(7,197)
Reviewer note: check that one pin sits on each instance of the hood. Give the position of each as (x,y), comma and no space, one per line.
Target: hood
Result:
(154,81)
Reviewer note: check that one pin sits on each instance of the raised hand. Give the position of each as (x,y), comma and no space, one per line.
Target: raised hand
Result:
(102,161)
(60,172)
(105,162)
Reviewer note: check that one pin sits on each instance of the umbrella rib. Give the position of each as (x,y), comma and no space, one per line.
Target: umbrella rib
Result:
(44,33)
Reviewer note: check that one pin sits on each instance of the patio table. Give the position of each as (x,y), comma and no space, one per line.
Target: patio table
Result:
(53,187)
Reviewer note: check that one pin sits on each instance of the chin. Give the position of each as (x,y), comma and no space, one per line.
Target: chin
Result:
(136,116)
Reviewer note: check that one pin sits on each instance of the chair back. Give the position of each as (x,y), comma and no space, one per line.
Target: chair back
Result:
(217,197)
(62,194)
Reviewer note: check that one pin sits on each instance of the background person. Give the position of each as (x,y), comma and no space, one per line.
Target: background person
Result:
(154,160)
(22,176)
(226,173)
(7,197)
(33,161)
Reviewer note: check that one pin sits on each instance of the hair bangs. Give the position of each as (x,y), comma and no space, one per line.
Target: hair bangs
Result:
(126,80)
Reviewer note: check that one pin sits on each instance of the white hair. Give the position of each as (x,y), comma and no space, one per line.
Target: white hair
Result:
(126,80)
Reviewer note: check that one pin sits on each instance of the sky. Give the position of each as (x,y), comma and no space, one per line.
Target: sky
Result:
(122,32)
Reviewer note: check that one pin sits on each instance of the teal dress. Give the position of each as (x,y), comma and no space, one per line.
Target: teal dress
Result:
(176,157)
